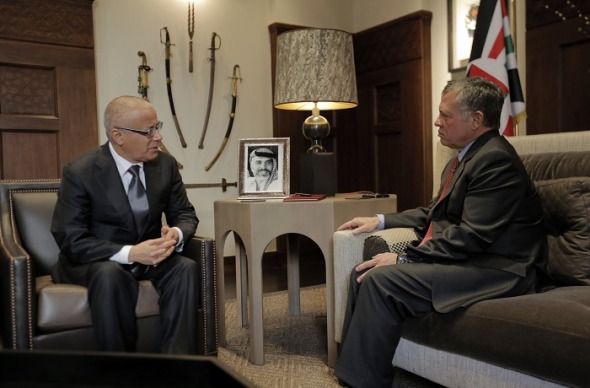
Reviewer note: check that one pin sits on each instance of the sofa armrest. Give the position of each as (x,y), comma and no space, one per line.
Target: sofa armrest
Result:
(349,251)
(202,250)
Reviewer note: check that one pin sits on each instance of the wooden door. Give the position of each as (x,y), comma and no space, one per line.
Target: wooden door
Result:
(558,67)
(392,146)
(47,86)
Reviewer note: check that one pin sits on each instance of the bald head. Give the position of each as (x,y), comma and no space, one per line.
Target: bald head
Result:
(123,110)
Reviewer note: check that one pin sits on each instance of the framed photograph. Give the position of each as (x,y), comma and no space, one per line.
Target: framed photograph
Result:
(462,16)
(264,168)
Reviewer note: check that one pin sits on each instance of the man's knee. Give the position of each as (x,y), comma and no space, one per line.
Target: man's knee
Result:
(109,277)
(104,270)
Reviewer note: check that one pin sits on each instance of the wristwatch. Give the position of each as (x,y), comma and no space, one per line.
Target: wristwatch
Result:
(403,258)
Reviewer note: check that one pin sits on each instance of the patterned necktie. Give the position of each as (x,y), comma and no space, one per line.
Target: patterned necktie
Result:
(138,198)
(428,234)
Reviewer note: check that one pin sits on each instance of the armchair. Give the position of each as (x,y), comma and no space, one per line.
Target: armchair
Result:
(38,314)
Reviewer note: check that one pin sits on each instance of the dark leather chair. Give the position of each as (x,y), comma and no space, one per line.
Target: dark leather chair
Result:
(38,314)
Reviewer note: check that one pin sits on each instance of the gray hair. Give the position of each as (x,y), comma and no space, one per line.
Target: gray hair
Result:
(478,94)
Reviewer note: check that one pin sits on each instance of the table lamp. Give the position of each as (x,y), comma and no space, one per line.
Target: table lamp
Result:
(315,71)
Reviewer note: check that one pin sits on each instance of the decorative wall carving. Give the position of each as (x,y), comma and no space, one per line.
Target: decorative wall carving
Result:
(26,91)
(369,51)
(539,13)
(64,22)
(388,103)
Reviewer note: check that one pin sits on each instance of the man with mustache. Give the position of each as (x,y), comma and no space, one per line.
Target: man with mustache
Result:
(263,168)
(108,225)
(482,237)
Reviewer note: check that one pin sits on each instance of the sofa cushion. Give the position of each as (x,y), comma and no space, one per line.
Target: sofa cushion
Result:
(566,206)
(555,165)
(546,335)
(387,240)
(65,306)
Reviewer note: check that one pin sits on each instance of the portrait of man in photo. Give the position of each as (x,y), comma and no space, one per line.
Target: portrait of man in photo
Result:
(264,173)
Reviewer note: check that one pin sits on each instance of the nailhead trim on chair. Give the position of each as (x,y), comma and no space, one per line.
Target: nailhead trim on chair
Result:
(29,317)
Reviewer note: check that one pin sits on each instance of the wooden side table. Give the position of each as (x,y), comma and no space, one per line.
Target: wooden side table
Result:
(255,225)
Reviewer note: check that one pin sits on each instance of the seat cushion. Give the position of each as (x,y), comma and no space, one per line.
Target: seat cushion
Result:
(388,240)
(546,335)
(65,306)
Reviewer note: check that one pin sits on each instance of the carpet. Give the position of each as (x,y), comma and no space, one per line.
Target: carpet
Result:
(295,347)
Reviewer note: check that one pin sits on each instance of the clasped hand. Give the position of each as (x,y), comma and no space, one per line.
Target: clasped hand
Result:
(154,251)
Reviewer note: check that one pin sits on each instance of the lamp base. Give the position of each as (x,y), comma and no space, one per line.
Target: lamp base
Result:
(316,128)
(318,173)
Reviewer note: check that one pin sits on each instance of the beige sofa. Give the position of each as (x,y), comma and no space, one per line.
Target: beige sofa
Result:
(539,340)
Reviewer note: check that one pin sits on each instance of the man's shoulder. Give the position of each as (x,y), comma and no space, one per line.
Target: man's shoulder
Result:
(88,158)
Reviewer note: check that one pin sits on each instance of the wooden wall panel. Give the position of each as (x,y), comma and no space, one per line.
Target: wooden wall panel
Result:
(29,155)
(558,67)
(47,86)
(394,116)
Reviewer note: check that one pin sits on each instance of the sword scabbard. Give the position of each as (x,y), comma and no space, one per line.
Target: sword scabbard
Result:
(232,114)
(214,47)
(169,85)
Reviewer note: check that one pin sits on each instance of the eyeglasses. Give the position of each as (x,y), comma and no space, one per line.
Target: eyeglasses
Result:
(148,132)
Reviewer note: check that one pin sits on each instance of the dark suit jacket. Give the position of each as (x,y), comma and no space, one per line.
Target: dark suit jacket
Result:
(490,217)
(93,219)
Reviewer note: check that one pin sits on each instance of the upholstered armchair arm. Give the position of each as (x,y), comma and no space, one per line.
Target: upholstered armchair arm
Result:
(18,292)
(202,250)
(349,251)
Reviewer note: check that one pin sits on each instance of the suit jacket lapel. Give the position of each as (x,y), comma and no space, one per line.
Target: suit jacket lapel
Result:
(108,177)
(483,139)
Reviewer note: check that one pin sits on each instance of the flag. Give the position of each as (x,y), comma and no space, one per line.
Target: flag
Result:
(492,57)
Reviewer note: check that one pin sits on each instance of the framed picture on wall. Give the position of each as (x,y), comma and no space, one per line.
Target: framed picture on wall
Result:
(462,15)
(264,168)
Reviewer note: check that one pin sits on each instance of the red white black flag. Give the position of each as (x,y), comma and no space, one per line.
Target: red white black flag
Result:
(492,57)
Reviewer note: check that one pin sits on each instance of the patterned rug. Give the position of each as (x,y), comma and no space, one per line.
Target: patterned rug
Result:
(295,347)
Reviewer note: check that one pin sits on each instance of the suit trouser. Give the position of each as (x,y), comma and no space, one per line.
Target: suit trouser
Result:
(375,312)
(378,306)
(113,293)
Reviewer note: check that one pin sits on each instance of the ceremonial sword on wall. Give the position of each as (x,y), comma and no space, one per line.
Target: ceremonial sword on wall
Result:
(142,89)
(224,185)
(234,98)
(213,48)
(191,32)
(169,84)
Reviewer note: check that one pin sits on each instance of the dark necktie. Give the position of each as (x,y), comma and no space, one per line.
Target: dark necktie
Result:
(428,234)
(138,198)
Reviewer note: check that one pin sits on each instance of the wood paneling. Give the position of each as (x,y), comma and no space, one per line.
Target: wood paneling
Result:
(558,67)
(47,86)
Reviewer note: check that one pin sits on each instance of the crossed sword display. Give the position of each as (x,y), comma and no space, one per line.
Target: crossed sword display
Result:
(142,88)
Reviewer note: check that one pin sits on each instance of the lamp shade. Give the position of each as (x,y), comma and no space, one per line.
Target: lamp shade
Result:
(315,67)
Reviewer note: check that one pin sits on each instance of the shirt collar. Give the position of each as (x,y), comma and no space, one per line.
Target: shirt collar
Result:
(464,150)
(122,163)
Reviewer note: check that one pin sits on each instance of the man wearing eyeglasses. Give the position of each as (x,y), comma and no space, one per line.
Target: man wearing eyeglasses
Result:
(108,225)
